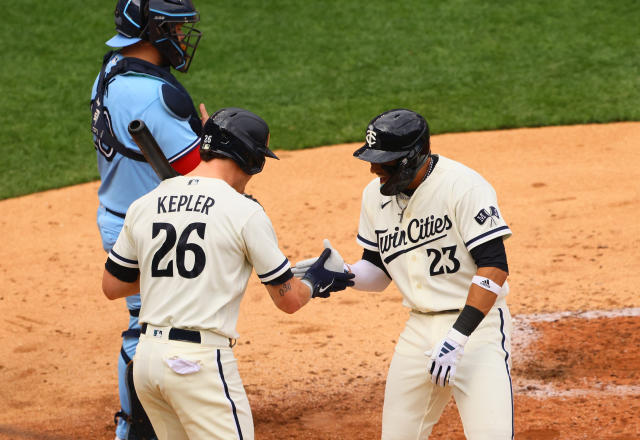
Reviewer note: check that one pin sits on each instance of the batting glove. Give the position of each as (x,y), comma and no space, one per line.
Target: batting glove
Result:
(445,356)
(334,263)
(322,281)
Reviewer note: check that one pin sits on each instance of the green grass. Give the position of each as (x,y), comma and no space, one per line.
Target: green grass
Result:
(319,71)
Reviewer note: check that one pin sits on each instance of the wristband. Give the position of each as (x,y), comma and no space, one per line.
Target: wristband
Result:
(468,320)
(486,284)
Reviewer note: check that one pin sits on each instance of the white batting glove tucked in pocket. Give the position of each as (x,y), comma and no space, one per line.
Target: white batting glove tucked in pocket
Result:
(183,366)
(445,356)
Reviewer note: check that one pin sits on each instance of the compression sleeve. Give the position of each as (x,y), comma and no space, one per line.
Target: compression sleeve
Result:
(375,259)
(368,276)
(491,254)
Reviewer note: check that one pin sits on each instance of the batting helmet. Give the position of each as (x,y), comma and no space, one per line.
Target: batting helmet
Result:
(167,24)
(239,135)
(397,135)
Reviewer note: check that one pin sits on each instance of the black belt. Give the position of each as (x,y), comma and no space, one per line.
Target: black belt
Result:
(438,312)
(179,334)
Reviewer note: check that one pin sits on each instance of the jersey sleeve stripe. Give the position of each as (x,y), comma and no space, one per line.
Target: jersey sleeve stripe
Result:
(185,151)
(275,273)
(493,233)
(121,260)
(372,246)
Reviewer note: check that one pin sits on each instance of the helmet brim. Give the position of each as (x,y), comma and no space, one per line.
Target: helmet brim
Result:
(372,155)
(120,40)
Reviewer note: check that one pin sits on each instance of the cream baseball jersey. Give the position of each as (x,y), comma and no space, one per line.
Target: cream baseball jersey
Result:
(424,241)
(199,239)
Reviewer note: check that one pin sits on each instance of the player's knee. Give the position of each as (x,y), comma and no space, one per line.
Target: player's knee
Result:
(493,433)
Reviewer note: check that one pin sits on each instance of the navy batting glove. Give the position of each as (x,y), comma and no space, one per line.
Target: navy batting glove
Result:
(324,281)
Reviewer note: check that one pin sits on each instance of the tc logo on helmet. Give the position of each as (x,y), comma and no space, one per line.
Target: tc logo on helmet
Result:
(370,138)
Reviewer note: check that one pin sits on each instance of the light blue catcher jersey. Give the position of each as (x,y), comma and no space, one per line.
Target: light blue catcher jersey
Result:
(128,97)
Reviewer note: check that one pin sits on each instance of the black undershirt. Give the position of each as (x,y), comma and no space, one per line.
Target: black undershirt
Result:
(125,274)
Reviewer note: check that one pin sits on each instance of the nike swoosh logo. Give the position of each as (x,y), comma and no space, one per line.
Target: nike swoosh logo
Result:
(385,204)
(324,289)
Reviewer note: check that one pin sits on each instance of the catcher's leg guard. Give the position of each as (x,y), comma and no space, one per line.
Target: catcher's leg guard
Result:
(140,424)
(140,427)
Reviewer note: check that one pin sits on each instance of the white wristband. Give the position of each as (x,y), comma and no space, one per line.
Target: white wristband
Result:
(486,284)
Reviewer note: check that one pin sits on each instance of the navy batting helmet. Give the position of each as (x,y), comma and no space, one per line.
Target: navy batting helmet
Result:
(237,134)
(397,135)
(167,24)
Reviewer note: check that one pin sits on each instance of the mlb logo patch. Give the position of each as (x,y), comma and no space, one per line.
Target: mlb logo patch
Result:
(157,333)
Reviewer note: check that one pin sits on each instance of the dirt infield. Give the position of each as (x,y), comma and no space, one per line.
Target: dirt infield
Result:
(571,195)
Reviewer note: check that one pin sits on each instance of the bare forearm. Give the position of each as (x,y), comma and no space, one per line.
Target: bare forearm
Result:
(113,288)
(289,296)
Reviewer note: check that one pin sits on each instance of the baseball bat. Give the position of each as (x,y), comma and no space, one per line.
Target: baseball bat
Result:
(151,150)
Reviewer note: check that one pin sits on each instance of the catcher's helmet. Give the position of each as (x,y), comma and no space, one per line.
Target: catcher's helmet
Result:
(401,135)
(237,134)
(167,24)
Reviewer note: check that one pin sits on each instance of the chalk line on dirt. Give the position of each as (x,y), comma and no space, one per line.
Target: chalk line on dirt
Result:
(524,334)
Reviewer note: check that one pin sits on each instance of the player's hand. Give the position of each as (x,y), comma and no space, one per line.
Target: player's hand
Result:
(322,280)
(445,356)
(204,115)
(334,263)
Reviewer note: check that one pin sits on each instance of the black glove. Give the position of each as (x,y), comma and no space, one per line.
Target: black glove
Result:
(324,281)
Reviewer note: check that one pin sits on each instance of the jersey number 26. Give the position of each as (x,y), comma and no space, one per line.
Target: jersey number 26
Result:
(182,248)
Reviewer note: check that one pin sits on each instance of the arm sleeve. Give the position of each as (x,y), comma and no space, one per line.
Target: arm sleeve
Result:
(281,279)
(125,274)
(375,259)
(368,276)
(262,248)
(491,254)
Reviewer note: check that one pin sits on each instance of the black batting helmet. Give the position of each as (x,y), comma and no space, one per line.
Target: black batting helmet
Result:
(237,134)
(167,24)
(401,135)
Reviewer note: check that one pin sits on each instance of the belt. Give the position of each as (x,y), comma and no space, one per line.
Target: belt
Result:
(205,337)
(436,312)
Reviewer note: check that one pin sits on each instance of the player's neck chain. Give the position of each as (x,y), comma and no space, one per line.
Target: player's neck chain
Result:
(403,199)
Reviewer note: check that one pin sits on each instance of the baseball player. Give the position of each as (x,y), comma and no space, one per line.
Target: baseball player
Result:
(190,246)
(135,82)
(433,226)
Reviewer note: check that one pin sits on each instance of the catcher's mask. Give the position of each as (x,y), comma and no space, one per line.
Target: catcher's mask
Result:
(239,135)
(167,24)
(401,137)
